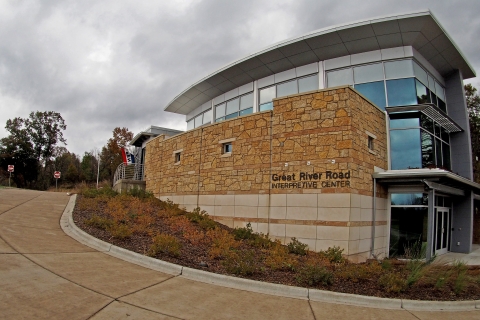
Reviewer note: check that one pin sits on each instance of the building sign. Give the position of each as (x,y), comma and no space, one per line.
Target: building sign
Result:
(307,180)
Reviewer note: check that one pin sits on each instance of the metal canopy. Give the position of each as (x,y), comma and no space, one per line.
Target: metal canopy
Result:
(433,112)
(419,30)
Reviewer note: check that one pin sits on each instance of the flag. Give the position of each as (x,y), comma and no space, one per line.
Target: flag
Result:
(128,158)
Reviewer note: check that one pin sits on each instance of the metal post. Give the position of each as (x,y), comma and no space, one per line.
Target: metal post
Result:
(98,169)
(431,224)
(374,217)
(56,185)
(9,179)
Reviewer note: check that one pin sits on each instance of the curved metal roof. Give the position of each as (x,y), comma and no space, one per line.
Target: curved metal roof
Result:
(419,30)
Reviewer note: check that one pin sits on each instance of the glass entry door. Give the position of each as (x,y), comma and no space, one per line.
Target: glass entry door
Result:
(442,230)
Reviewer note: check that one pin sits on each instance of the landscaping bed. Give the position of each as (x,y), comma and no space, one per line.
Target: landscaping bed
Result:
(141,223)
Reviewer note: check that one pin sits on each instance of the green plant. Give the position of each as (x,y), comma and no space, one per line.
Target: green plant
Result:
(313,275)
(201,218)
(460,268)
(171,209)
(297,247)
(99,222)
(222,243)
(360,272)
(164,243)
(279,259)
(244,233)
(416,271)
(392,282)
(416,250)
(94,193)
(140,193)
(261,240)
(386,264)
(334,254)
(241,262)
(120,231)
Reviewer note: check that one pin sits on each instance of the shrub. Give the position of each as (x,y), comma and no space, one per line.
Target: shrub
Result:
(222,243)
(261,240)
(241,262)
(164,243)
(201,218)
(99,222)
(313,275)
(171,209)
(392,282)
(460,268)
(360,272)
(94,193)
(386,264)
(297,247)
(416,271)
(244,233)
(120,231)
(140,193)
(279,259)
(334,255)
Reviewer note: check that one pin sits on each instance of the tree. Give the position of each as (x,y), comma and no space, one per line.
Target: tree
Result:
(111,155)
(88,167)
(473,106)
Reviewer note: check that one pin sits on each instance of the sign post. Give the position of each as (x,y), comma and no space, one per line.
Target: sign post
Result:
(56,175)
(10,169)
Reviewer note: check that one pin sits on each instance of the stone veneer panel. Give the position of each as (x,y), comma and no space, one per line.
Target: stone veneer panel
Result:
(312,137)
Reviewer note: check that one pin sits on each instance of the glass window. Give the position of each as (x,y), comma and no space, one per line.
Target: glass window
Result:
(340,77)
(198,120)
(420,74)
(439,91)
(428,157)
(267,94)
(191,124)
(446,156)
(438,153)
(231,116)
(287,88)
(401,92)
(434,98)
(227,147)
(409,199)
(408,229)
(246,101)
(427,123)
(404,120)
(308,83)
(444,135)
(233,106)
(207,116)
(423,94)
(442,105)
(369,73)
(266,106)
(220,119)
(374,91)
(220,110)
(246,111)
(431,83)
(399,69)
(405,149)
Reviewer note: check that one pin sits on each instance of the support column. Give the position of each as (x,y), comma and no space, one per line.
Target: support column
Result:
(431,224)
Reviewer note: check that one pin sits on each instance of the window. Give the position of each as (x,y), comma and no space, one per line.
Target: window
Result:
(178,156)
(227,147)
(200,120)
(287,88)
(308,83)
(401,92)
(374,91)
(233,108)
(370,143)
(340,77)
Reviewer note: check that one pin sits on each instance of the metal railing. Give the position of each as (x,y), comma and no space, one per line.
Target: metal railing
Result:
(129,172)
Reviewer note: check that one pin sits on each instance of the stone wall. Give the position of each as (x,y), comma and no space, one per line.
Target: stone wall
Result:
(302,170)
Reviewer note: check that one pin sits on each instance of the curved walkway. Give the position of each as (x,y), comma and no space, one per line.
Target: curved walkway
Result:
(45,274)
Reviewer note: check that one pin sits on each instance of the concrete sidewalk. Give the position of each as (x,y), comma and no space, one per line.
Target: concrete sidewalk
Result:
(45,274)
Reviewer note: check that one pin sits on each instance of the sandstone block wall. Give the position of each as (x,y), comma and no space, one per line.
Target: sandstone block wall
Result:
(302,170)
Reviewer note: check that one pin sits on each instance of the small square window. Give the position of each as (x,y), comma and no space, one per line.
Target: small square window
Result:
(370,143)
(227,147)
(178,156)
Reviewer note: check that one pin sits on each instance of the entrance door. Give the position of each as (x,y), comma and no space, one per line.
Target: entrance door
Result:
(442,230)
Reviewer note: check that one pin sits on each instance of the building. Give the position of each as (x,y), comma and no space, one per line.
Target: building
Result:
(354,136)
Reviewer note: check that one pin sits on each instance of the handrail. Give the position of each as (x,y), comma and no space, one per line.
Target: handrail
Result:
(129,171)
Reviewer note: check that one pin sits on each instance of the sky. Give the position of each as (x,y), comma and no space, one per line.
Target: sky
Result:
(118,63)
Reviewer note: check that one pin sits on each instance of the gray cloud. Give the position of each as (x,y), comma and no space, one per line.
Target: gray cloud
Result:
(104,64)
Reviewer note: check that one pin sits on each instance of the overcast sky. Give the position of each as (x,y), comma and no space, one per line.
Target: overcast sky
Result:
(106,64)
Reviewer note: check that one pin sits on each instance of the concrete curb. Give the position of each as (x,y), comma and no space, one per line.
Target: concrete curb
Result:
(245,284)
(68,226)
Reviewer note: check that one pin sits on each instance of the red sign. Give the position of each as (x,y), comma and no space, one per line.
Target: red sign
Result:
(57,174)
(10,168)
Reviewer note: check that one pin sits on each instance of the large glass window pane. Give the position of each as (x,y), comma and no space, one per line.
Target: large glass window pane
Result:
(438,152)
(438,130)
(428,157)
(446,156)
(207,116)
(191,124)
(444,135)
(442,105)
(231,116)
(404,120)
(220,119)
(268,94)
(405,149)
(246,111)
(308,83)
(409,199)
(374,91)
(423,94)
(434,98)
(198,120)
(220,110)
(399,69)
(401,92)
(427,123)
(287,88)
(246,101)
(408,229)
(431,83)
(420,74)
(233,105)
(439,91)
(369,73)
(340,77)
(266,106)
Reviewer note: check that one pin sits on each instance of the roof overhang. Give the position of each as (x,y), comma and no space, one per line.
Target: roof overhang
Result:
(438,179)
(419,30)
(141,137)
(432,111)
